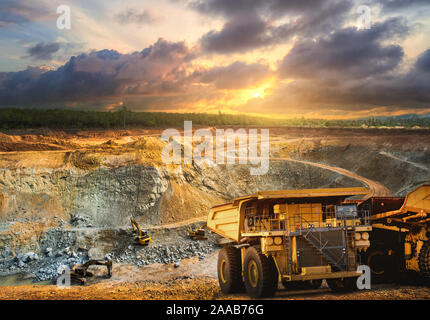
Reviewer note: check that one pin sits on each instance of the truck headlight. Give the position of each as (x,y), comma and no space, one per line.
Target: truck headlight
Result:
(365,235)
(269,241)
(357,236)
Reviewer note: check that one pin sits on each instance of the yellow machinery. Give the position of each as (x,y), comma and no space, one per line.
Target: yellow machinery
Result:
(295,236)
(401,237)
(142,237)
(80,273)
(197,233)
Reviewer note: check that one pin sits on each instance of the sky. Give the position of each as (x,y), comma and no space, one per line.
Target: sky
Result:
(329,59)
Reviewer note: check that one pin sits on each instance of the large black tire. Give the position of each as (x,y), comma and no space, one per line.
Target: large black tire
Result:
(342,285)
(424,261)
(230,270)
(260,274)
(381,265)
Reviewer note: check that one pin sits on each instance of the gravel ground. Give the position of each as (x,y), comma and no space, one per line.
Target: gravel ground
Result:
(203,288)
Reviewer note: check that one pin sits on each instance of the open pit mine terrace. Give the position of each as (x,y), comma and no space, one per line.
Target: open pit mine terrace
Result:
(67,197)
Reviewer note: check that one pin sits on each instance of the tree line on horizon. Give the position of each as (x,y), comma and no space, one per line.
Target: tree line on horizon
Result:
(13,118)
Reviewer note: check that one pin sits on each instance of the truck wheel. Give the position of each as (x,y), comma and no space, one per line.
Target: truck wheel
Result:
(380,265)
(230,270)
(424,261)
(260,274)
(342,285)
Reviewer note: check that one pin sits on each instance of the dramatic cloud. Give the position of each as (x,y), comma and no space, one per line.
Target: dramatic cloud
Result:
(348,53)
(350,71)
(154,70)
(43,51)
(135,16)
(242,33)
(228,8)
(401,4)
(423,62)
(248,30)
(273,56)
(342,96)
(237,75)
(13,12)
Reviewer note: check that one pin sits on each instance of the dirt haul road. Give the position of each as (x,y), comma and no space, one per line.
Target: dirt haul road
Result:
(376,188)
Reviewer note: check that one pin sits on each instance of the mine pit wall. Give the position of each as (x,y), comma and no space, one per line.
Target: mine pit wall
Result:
(107,196)
(39,204)
(399,168)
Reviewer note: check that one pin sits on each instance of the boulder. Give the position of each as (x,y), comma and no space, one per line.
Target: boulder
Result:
(6,253)
(30,256)
(95,253)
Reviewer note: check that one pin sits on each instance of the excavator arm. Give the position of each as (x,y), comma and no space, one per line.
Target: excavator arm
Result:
(143,238)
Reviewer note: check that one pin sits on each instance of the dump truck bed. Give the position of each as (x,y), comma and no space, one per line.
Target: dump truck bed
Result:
(227,219)
(415,209)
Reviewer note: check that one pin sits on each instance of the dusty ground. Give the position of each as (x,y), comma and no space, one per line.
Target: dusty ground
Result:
(192,280)
(197,289)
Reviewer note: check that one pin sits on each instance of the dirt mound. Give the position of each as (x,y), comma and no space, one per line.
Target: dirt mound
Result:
(22,146)
(30,142)
(4,138)
(82,160)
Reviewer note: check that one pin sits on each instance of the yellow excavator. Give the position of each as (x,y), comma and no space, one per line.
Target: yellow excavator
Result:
(79,273)
(142,237)
(197,234)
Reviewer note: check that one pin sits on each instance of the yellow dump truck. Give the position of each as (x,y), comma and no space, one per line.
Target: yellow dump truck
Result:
(292,236)
(400,240)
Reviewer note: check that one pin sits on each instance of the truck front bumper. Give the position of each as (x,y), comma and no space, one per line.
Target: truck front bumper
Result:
(331,275)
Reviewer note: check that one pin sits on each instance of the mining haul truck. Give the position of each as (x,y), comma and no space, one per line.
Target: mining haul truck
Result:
(400,240)
(292,236)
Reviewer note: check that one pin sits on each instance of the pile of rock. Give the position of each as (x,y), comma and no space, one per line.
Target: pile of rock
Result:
(164,253)
(22,259)
(53,266)
(81,220)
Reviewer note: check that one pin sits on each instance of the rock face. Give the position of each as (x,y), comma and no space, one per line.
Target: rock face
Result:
(107,197)
(103,197)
